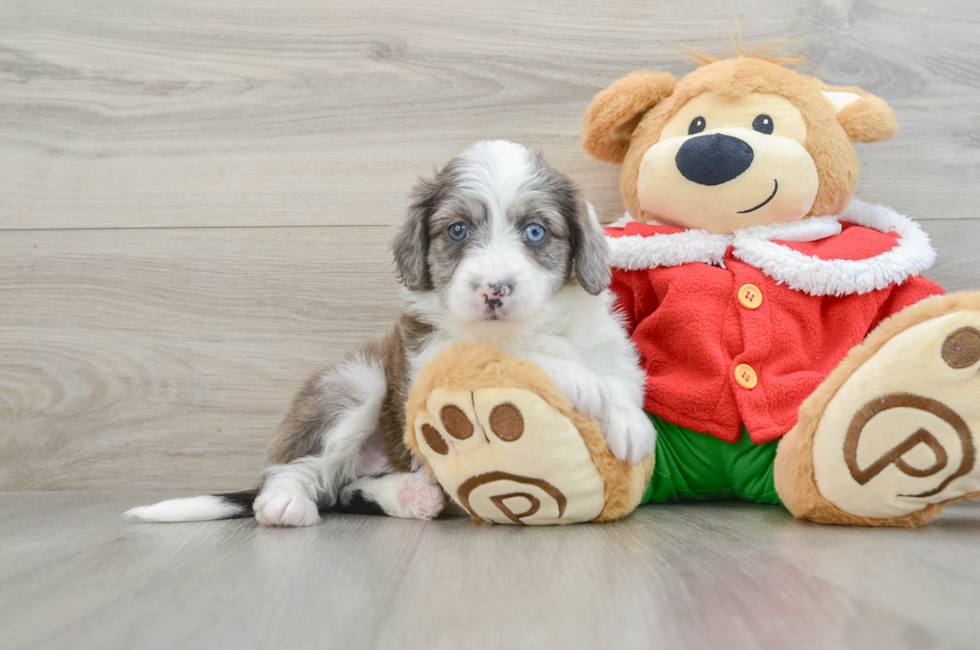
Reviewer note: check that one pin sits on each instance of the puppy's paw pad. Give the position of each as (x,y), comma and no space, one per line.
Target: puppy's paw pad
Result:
(418,498)
(283,508)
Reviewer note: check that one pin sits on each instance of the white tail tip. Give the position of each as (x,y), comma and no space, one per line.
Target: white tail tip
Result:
(202,508)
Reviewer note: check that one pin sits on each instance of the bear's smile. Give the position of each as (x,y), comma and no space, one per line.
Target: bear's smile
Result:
(775,188)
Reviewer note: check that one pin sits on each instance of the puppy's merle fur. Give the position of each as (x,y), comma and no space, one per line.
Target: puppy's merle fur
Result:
(497,247)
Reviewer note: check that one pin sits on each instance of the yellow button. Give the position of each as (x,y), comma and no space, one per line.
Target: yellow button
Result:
(750,296)
(745,376)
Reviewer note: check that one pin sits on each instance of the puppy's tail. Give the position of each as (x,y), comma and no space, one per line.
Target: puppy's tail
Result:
(231,505)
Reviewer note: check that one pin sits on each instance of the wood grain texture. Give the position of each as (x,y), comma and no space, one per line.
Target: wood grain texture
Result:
(166,357)
(169,113)
(699,576)
(195,198)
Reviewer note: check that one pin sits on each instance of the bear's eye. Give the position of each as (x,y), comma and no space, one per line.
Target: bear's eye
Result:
(762,124)
(696,126)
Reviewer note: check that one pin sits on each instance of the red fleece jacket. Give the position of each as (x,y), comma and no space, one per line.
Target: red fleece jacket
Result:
(692,331)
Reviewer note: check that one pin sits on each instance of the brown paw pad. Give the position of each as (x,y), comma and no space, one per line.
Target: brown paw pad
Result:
(961,349)
(457,424)
(434,440)
(506,422)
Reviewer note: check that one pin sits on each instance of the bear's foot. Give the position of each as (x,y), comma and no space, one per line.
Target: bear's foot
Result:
(508,457)
(892,435)
(504,443)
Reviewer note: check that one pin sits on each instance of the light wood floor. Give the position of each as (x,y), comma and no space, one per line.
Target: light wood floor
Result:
(195,205)
(73,575)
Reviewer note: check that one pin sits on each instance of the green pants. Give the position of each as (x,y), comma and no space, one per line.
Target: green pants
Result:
(692,466)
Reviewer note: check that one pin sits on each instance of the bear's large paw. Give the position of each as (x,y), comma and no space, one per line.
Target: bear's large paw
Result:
(509,457)
(898,437)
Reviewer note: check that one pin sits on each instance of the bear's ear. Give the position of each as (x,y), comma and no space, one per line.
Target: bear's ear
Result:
(615,112)
(865,118)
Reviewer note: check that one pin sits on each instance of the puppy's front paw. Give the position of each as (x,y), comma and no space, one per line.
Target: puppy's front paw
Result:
(586,392)
(284,508)
(629,433)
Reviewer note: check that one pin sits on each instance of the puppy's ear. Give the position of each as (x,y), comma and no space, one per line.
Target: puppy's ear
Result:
(615,112)
(590,251)
(865,117)
(411,245)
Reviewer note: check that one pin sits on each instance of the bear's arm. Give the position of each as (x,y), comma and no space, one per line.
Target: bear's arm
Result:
(904,295)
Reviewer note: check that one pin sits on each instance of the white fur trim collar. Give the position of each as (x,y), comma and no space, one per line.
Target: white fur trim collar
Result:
(818,277)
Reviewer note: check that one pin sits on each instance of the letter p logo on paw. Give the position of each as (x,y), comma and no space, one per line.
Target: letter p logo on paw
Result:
(509,457)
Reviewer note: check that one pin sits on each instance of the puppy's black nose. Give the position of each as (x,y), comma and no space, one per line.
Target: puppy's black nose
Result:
(500,289)
(713,159)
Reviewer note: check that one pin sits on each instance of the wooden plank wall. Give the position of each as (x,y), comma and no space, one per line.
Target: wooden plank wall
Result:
(196,198)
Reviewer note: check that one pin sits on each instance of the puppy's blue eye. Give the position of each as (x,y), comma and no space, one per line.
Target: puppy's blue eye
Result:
(697,125)
(458,231)
(534,234)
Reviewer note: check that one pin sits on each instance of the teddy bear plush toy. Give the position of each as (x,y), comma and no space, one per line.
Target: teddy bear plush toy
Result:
(794,354)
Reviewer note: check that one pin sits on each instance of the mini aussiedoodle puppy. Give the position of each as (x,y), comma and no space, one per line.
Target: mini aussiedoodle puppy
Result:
(498,247)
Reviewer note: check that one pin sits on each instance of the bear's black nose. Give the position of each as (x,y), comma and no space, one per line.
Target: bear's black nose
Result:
(713,159)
